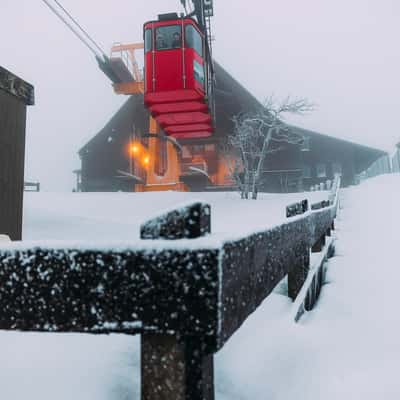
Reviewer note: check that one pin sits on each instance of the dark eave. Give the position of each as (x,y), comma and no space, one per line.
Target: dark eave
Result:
(356,146)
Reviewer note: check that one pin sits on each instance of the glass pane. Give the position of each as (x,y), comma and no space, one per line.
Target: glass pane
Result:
(198,72)
(147,40)
(194,39)
(168,37)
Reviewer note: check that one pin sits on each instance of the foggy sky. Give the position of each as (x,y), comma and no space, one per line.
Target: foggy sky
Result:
(341,55)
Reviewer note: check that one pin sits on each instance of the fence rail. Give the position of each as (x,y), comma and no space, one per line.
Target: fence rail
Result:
(185,293)
(32,186)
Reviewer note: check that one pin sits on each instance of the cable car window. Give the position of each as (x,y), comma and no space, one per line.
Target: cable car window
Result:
(193,39)
(198,72)
(148,45)
(168,37)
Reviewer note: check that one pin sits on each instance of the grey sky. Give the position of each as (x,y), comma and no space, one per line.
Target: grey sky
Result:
(340,54)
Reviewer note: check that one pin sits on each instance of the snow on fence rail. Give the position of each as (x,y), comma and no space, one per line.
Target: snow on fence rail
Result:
(186,297)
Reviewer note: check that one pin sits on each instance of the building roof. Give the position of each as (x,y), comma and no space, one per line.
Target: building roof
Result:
(232,98)
(361,147)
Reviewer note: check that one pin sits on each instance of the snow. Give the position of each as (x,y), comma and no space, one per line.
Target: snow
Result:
(347,347)
(117,216)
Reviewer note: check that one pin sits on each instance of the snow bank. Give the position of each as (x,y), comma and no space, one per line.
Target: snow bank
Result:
(269,357)
(347,347)
(118,216)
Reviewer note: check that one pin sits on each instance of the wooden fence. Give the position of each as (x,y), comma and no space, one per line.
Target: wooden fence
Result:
(185,293)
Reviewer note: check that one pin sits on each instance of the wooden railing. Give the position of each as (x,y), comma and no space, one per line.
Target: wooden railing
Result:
(32,186)
(183,291)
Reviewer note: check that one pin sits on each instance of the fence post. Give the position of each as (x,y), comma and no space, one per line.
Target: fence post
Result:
(298,274)
(318,245)
(172,367)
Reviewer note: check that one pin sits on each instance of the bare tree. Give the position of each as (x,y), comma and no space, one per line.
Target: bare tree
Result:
(260,133)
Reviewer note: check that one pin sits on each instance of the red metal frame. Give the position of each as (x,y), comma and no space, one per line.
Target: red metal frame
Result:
(173,95)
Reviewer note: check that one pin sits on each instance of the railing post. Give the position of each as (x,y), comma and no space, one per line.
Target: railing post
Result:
(319,244)
(298,274)
(177,368)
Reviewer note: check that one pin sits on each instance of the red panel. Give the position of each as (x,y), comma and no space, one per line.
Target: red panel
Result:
(189,128)
(187,106)
(173,96)
(183,119)
(168,70)
(191,135)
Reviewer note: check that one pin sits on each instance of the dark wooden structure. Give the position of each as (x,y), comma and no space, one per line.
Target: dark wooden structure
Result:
(15,95)
(320,157)
(295,168)
(185,299)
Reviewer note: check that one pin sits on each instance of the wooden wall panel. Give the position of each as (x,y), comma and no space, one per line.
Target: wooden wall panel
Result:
(12,154)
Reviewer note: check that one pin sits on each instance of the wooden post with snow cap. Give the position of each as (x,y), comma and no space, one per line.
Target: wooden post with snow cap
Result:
(15,95)
(175,367)
(299,272)
(301,262)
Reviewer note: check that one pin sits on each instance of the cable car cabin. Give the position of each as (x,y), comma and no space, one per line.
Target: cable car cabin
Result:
(175,77)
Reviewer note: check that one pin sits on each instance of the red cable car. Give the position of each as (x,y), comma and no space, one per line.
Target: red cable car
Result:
(175,76)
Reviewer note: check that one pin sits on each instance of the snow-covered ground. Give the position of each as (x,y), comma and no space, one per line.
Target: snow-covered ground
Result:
(346,348)
(117,216)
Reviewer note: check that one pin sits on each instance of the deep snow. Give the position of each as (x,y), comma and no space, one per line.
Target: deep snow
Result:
(346,348)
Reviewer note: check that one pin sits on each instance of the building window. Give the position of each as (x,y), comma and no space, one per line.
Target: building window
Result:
(321,170)
(209,147)
(305,145)
(306,171)
(337,168)
(186,153)
(198,149)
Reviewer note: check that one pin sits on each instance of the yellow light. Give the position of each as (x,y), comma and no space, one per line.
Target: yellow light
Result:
(135,149)
(146,160)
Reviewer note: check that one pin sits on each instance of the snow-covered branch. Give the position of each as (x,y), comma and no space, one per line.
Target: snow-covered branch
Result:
(253,135)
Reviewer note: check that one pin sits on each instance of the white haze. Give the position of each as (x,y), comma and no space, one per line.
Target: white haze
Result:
(342,55)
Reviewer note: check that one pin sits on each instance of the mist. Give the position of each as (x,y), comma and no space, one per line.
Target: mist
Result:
(340,55)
